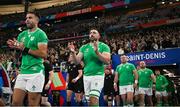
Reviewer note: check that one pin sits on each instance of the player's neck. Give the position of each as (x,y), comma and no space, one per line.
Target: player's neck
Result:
(33,29)
(124,62)
(143,68)
(92,42)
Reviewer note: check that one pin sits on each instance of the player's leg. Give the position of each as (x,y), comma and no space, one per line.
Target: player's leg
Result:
(19,91)
(34,86)
(158,97)
(149,96)
(123,91)
(68,99)
(130,95)
(141,96)
(96,87)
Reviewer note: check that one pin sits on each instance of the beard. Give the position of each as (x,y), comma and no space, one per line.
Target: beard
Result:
(29,25)
(92,39)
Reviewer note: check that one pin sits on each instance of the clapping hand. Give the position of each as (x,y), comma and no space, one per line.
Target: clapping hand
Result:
(95,46)
(71,47)
(13,43)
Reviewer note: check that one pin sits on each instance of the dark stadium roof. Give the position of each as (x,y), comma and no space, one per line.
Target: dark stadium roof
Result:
(11,2)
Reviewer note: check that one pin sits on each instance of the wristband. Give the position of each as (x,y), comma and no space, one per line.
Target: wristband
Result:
(136,81)
(25,51)
(76,78)
(97,52)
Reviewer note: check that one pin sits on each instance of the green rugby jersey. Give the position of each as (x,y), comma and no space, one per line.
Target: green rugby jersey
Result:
(31,64)
(160,81)
(92,64)
(125,72)
(144,78)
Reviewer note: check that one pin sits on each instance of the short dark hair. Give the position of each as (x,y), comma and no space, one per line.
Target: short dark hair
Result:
(123,55)
(94,28)
(35,13)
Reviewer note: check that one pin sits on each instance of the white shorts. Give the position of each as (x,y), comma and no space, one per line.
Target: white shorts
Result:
(93,86)
(125,89)
(30,82)
(145,91)
(161,93)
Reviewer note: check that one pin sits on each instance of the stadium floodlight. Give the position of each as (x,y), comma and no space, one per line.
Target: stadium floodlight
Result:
(163,2)
(170,2)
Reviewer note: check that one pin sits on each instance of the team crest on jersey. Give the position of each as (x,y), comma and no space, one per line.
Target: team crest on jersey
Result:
(33,87)
(127,67)
(32,38)
(86,50)
(22,39)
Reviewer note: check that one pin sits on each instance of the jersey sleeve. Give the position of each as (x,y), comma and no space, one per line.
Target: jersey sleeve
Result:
(133,67)
(151,72)
(42,39)
(81,49)
(106,48)
(117,68)
(79,67)
(20,37)
(165,81)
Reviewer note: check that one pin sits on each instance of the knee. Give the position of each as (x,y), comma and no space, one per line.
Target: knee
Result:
(16,103)
(94,100)
(34,101)
(110,98)
(141,99)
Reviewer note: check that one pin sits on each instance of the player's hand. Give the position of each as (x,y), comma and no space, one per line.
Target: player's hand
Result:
(71,47)
(47,86)
(96,46)
(115,87)
(74,81)
(106,71)
(15,44)
(135,85)
(10,43)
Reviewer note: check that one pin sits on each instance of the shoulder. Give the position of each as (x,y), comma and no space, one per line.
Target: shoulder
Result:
(41,33)
(119,65)
(23,32)
(130,64)
(84,46)
(103,44)
(149,70)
